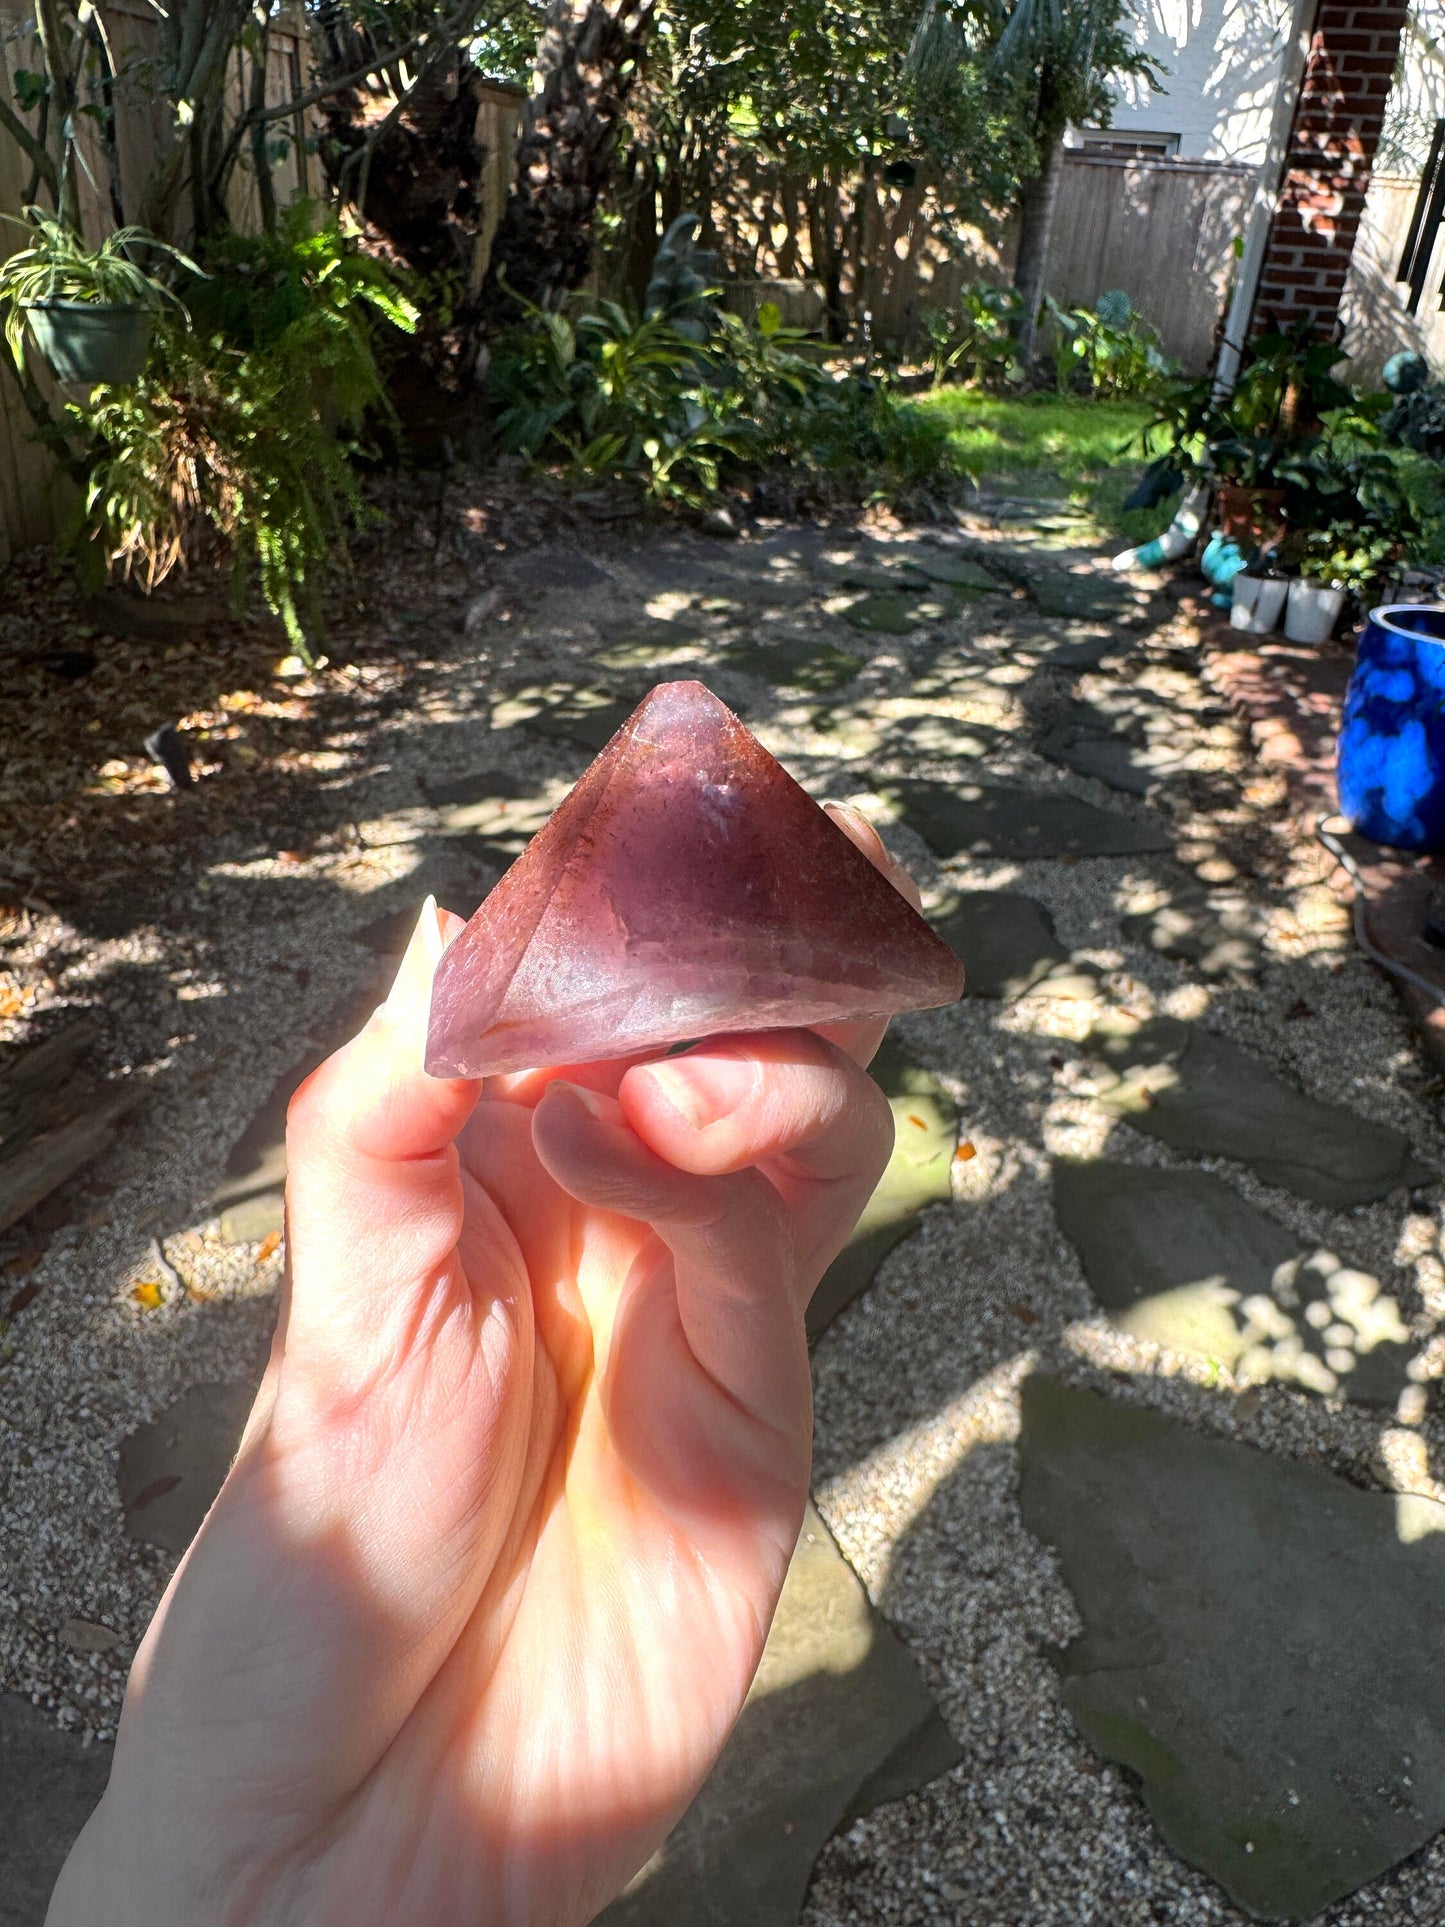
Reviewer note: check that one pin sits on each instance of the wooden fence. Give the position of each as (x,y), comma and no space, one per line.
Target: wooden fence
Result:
(1161,230)
(32,499)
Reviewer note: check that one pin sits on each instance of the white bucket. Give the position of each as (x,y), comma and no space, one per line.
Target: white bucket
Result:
(1312,611)
(1258,603)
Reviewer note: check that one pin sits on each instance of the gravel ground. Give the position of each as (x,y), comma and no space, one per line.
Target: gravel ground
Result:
(917,1382)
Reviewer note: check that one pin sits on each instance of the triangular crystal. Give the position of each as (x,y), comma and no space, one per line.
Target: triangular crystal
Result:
(686,886)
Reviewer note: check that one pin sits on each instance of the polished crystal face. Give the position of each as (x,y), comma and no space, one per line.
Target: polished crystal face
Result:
(686,886)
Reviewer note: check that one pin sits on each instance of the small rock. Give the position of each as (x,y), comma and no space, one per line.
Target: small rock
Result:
(719,521)
(480,611)
(86,1636)
(254,1218)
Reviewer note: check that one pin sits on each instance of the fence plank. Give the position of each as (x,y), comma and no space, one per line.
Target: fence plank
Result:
(1159,230)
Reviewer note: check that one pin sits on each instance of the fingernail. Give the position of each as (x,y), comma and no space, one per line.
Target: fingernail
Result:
(846,817)
(592,1103)
(431,931)
(704,1089)
(411,988)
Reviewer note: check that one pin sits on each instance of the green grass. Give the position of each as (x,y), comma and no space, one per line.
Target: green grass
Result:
(1007,434)
(1105,500)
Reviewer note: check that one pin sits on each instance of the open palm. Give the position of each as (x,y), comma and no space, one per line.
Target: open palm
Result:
(484,1590)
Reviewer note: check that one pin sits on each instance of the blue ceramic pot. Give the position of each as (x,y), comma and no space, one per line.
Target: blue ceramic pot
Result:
(1392,742)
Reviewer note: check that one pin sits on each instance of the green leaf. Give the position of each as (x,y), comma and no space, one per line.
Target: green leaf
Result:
(30,89)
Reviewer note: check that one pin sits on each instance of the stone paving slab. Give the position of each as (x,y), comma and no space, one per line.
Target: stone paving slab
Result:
(891,613)
(1259,1645)
(910,737)
(999,820)
(49,1785)
(837,1718)
(1201,1094)
(796,664)
(171,1469)
(1218,933)
(1006,941)
(1085,739)
(1180,1259)
(555,566)
(959,571)
(257,1163)
(1073,647)
(591,724)
(919,1173)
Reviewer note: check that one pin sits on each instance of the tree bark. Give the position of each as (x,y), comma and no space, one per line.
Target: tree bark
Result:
(587,61)
(1038,198)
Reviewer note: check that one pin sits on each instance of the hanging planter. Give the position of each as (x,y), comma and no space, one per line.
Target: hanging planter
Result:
(1392,740)
(91,341)
(89,311)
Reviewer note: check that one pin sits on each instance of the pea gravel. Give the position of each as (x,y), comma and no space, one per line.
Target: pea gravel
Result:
(916,1385)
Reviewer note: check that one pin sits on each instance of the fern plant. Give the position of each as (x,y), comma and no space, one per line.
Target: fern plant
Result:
(242,432)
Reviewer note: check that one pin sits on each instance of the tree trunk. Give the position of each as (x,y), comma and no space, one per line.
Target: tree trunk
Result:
(825,245)
(587,62)
(1038,198)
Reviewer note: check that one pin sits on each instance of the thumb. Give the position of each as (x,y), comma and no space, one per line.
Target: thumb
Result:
(373,1193)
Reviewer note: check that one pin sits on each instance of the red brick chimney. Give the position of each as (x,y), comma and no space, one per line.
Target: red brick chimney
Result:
(1331,150)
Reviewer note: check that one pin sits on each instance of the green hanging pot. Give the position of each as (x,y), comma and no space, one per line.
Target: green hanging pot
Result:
(90,341)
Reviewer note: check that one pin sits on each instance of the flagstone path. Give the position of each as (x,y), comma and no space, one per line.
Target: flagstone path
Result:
(1123,1599)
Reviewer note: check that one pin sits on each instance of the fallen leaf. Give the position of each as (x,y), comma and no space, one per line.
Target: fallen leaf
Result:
(157,1489)
(1025,1314)
(88,1636)
(147,1294)
(968,1149)
(22,1298)
(270,1244)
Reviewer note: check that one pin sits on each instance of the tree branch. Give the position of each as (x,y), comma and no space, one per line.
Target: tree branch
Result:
(26,141)
(47,429)
(447,35)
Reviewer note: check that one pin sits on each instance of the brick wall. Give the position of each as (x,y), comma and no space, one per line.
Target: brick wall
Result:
(1327,170)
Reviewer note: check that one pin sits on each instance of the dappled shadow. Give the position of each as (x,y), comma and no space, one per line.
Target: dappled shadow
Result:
(282,896)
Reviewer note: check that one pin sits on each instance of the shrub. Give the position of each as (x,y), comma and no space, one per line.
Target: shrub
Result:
(978,343)
(242,431)
(1109,349)
(626,397)
(614,395)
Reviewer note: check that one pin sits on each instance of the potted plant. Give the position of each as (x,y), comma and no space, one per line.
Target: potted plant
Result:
(1337,562)
(90,310)
(1259,598)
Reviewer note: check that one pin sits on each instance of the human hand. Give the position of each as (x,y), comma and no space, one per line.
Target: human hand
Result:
(483,1592)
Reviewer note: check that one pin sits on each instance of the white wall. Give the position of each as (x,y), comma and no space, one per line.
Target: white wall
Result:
(1376,323)
(1223,63)
(1418,98)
